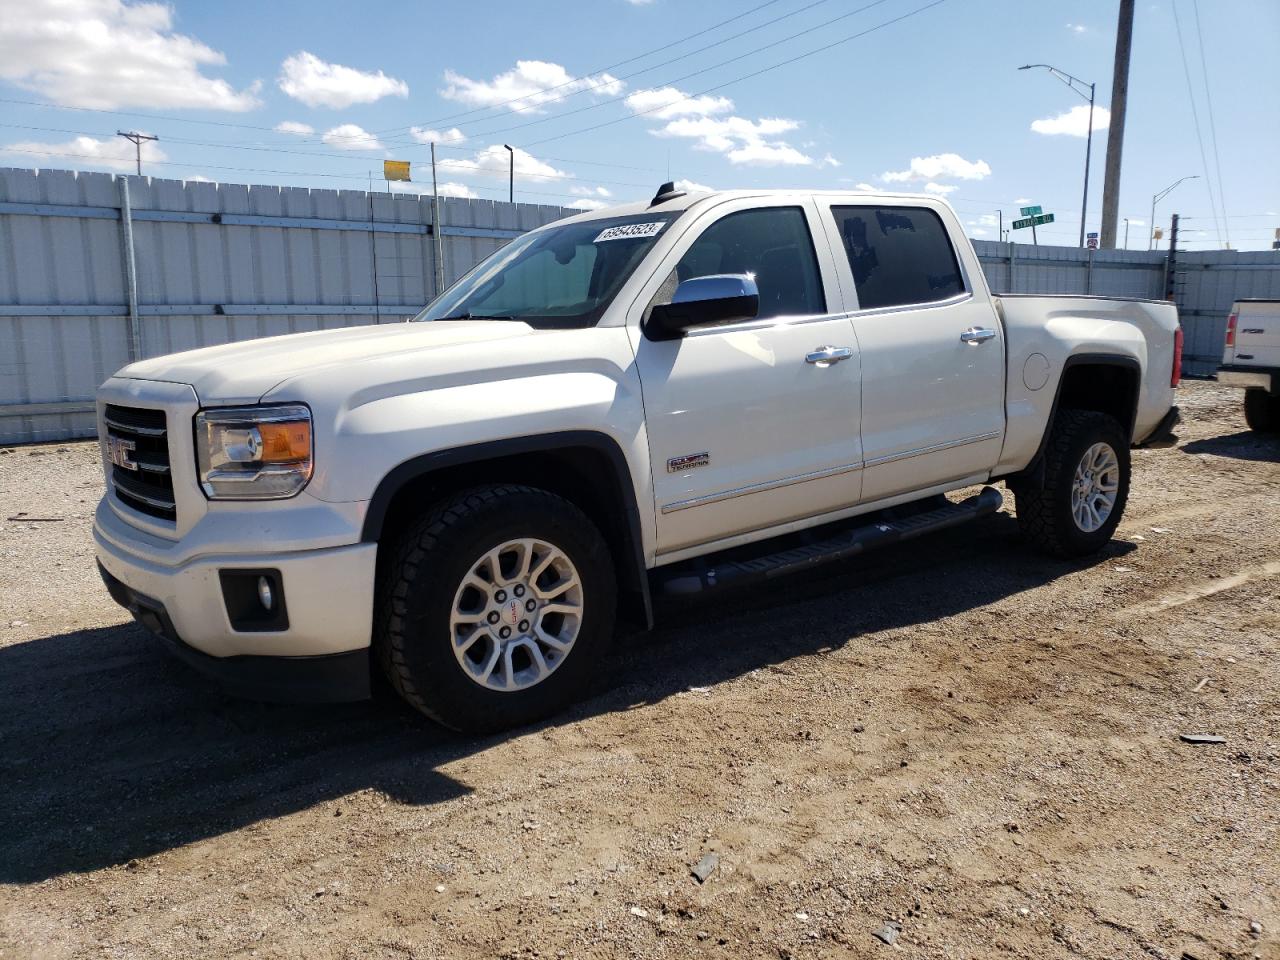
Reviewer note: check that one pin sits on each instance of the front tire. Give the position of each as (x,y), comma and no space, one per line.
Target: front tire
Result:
(1086,486)
(1261,410)
(497,610)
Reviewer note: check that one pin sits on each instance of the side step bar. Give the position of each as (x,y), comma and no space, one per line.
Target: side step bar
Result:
(706,574)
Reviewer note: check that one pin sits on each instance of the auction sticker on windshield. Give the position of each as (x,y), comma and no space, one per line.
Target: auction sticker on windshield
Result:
(631,231)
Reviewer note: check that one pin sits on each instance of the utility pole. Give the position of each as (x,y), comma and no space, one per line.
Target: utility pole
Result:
(1115,132)
(437,234)
(137,139)
(511,181)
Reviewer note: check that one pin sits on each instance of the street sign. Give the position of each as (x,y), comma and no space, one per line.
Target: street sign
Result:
(1033,221)
(1091,241)
(395,170)
(1029,211)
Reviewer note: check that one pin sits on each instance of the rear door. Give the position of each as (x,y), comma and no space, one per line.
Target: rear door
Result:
(933,349)
(754,424)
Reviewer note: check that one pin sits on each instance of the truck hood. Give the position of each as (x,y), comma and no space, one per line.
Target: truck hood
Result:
(244,372)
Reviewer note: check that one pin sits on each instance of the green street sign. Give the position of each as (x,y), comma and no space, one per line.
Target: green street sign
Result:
(1045,218)
(1021,224)
(1029,211)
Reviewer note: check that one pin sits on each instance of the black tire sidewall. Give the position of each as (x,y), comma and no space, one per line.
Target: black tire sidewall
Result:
(1086,430)
(1261,410)
(449,694)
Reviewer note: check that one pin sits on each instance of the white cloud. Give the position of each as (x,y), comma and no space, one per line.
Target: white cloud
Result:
(307,78)
(454,189)
(950,166)
(530,83)
(1023,200)
(639,3)
(939,189)
(742,141)
(1073,123)
(978,232)
(294,127)
(423,135)
(590,192)
(198,178)
(586,203)
(692,186)
(666,103)
(494,161)
(829,161)
(114,153)
(349,136)
(986,220)
(106,54)
(865,187)
(1137,223)
(1077,28)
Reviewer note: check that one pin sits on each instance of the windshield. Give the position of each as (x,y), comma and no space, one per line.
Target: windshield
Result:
(559,277)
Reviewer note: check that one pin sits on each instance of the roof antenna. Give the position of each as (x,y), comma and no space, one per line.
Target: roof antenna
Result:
(666,192)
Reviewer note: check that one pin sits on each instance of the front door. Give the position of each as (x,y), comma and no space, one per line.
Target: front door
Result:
(755,424)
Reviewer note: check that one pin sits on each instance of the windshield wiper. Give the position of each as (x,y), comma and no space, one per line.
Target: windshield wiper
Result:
(467,315)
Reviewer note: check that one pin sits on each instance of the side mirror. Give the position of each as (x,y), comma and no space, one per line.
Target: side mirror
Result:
(704,302)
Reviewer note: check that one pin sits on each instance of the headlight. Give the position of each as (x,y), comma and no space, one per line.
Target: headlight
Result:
(254,453)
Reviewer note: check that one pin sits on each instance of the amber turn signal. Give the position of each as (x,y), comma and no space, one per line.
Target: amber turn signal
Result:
(287,442)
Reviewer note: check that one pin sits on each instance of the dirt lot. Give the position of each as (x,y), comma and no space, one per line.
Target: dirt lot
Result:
(958,735)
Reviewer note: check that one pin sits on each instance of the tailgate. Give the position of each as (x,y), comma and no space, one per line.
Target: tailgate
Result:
(1257,333)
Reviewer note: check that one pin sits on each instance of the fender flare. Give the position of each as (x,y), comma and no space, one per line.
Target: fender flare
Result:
(1032,471)
(632,568)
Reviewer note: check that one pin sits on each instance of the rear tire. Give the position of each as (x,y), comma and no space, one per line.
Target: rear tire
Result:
(497,610)
(1261,410)
(1086,485)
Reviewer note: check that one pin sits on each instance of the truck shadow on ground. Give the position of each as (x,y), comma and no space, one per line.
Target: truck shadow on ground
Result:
(111,751)
(1245,445)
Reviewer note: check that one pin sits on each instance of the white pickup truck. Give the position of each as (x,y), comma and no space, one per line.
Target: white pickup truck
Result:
(1251,359)
(674,396)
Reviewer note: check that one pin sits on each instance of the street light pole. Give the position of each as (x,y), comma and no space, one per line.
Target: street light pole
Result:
(511,180)
(1071,82)
(1160,196)
(1126,233)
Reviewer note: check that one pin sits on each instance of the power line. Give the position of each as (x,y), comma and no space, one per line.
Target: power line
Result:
(1213,128)
(1195,116)
(748,76)
(715,66)
(595,73)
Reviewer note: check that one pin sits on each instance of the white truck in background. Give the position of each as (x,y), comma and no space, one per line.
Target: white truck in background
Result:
(678,396)
(1251,359)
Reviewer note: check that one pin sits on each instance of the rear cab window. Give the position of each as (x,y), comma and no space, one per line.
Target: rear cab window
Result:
(899,255)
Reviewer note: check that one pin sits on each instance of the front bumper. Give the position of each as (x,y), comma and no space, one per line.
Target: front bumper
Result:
(179,594)
(332,678)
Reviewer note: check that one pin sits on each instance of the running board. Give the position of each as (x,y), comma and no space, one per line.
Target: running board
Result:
(704,574)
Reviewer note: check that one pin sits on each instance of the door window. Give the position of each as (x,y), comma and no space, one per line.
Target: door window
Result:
(774,244)
(898,255)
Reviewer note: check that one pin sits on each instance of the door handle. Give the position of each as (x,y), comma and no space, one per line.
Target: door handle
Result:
(977,335)
(826,356)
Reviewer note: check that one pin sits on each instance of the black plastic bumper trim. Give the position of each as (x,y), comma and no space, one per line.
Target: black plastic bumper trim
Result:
(1163,435)
(330,678)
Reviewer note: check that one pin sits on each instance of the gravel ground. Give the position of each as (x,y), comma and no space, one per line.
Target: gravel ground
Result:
(957,736)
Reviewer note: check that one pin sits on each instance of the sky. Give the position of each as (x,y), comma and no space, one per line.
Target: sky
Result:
(602,100)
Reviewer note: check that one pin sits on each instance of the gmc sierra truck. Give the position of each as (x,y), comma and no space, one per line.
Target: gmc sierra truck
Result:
(678,396)
(1251,359)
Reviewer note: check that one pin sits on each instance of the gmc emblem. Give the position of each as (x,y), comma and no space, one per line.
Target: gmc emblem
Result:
(118,448)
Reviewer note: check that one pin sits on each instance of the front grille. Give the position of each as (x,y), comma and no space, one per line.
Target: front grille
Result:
(147,486)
